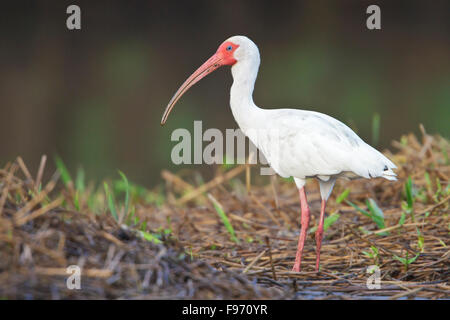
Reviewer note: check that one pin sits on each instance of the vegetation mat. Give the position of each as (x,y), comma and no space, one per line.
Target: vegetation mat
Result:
(232,237)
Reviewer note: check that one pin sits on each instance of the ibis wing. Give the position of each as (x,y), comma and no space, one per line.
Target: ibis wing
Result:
(311,143)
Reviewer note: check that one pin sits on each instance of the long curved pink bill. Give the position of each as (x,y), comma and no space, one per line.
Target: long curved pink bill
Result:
(206,68)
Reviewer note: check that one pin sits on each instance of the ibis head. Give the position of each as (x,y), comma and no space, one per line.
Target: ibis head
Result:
(229,53)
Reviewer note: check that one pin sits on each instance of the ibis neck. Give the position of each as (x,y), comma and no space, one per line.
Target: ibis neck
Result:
(244,110)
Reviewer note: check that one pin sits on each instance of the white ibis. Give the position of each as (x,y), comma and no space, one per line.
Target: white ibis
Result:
(296,143)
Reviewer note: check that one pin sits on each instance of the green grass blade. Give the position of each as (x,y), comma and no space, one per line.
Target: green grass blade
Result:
(409,193)
(65,175)
(406,261)
(343,195)
(364,212)
(402,219)
(79,180)
(224,218)
(328,221)
(438,185)
(127,191)
(376,213)
(227,163)
(111,204)
(149,237)
(332,218)
(76,200)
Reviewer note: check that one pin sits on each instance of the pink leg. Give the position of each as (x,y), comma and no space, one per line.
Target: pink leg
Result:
(304,223)
(319,234)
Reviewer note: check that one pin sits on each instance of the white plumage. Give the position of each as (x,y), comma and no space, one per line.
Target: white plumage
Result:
(308,144)
(299,143)
(296,143)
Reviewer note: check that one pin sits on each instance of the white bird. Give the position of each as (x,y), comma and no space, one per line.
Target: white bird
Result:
(296,143)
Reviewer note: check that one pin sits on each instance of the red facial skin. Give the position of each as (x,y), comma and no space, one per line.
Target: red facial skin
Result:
(227,55)
(224,56)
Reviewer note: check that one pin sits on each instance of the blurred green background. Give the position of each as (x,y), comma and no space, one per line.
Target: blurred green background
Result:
(96,96)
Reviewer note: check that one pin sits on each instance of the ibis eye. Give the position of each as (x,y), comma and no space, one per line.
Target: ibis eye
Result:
(229,48)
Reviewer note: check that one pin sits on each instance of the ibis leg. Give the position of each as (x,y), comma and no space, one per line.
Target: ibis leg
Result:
(319,234)
(304,229)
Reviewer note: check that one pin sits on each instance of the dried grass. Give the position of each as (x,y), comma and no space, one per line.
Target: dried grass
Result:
(41,234)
